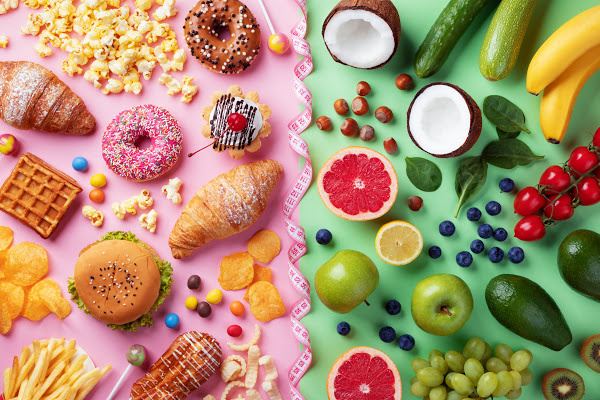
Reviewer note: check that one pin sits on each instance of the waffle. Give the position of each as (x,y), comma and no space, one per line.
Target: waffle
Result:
(37,194)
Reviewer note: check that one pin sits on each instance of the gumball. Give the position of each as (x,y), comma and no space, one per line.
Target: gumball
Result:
(98,180)
(214,296)
(172,321)
(97,196)
(80,164)
(136,355)
(191,303)
(237,308)
(8,144)
(279,43)
(234,330)
(204,309)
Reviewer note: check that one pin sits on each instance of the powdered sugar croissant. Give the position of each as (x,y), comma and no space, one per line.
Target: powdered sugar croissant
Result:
(227,205)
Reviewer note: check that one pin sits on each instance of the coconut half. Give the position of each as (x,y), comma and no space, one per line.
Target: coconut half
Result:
(443,120)
(362,33)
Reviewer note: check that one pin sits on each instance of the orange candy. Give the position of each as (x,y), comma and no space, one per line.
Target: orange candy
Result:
(97,196)
(237,308)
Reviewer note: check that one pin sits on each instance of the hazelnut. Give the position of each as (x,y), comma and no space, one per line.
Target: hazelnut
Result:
(404,82)
(367,133)
(323,123)
(360,106)
(415,203)
(390,146)
(384,114)
(349,127)
(341,107)
(363,88)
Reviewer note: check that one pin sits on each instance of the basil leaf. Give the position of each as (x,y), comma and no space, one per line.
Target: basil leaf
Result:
(504,114)
(507,135)
(424,174)
(470,178)
(508,153)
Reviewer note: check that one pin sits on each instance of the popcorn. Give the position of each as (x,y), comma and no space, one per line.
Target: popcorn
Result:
(145,67)
(143,4)
(178,60)
(142,200)
(167,10)
(172,190)
(3,41)
(188,89)
(42,50)
(113,86)
(96,217)
(148,221)
(171,83)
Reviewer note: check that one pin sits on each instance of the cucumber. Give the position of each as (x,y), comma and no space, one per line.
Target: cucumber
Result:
(444,34)
(502,42)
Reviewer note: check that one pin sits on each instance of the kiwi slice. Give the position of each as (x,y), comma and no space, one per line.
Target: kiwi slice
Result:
(590,352)
(562,384)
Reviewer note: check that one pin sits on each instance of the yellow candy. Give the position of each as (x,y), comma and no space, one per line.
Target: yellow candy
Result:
(98,180)
(214,296)
(191,303)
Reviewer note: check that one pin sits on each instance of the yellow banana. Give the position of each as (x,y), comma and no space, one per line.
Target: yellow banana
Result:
(562,48)
(559,97)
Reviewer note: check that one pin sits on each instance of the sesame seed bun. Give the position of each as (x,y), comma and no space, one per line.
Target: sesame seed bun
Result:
(117,280)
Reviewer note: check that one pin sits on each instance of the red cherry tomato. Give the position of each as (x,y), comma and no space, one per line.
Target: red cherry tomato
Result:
(559,207)
(236,122)
(597,172)
(596,141)
(582,160)
(588,191)
(234,330)
(556,179)
(530,229)
(528,201)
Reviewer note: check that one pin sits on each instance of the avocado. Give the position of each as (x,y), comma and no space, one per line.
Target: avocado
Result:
(579,262)
(526,309)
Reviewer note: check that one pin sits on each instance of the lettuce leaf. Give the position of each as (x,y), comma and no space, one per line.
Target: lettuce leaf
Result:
(165,286)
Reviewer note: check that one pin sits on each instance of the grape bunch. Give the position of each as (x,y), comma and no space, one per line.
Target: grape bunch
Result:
(472,373)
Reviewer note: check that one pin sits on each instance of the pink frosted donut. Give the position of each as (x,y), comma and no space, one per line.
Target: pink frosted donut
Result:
(124,158)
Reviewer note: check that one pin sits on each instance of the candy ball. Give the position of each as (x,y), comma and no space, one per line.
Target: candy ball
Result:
(279,43)
(194,282)
(98,180)
(237,308)
(214,296)
(191,303)
(80,164)
(234,330)
(172,321)
(97,196)
(204,309)
(136,355)
(8,144)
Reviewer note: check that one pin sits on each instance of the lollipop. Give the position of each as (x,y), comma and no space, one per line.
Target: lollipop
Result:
(278,42)
(8,144)
(136,355)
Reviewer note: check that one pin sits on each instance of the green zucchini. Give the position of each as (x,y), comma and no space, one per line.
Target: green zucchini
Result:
(444,34)
(504,37)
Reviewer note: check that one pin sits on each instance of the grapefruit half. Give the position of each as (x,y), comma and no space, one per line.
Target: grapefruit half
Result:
(364,373)
(358,184)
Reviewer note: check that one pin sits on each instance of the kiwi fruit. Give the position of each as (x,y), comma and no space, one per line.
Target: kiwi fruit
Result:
(563,384)
(590,352)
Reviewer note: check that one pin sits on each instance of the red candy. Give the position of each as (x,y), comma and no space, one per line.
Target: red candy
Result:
(234,330)
(236,122)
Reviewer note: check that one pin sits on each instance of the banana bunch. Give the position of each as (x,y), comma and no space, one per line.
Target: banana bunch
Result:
(561,67)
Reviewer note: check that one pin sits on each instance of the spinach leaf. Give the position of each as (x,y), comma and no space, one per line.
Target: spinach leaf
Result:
(508,153)
(424,174)
(470,178)
(507,135)
(504,114)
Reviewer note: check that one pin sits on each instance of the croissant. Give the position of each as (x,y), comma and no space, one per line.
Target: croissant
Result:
(33,98)
(227,205)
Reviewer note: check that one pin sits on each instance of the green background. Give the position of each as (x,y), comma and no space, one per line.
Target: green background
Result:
(331,81)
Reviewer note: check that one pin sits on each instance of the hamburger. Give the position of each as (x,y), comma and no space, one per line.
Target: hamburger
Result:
(120,281)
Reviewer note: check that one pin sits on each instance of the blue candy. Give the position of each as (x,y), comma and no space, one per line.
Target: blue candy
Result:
(80,164)
(172,321)
(406,342)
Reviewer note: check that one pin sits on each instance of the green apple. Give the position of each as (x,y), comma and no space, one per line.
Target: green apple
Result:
(346,280)
(441,304)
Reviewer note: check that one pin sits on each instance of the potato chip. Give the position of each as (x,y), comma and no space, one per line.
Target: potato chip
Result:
(260,274)
(6,237)
(244,347)
(34,309)
(47,292)
(272,391)
(3,254)
(26,263)
(12,298)
(237,271)
(265,301)
(252,369)
(264,246)
(270,368)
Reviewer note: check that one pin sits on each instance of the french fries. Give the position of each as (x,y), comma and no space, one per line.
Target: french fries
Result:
(50,372)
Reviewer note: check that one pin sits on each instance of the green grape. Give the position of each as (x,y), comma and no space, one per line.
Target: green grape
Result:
(419,363)
(503,352)
(430,376)
(521,360)
(438,393)
(473,369)
(435,353)
(487,384)
(455,361)
(462,384)
(440,364)
(454,396)
(516,379)
(420,390)
(448,379)
(474,348)
(514,394)
(526,377)
(505,383)
(495,365)
(414,379)
(487,354)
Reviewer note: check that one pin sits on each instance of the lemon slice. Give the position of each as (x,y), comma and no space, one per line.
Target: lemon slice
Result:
(398,242)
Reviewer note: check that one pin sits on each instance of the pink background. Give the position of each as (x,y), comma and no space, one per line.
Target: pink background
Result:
(271,76)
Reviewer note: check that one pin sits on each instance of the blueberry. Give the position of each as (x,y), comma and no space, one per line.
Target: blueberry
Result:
(500,234)
(496,255)
(343,328)
(323,236)
(464,259)
(393,307)
(447,228)
(485,231)
(406,342)
(473,214)
(516,255)
(387,334)
(435,252)
(507,185)
(477,246)
(493,208)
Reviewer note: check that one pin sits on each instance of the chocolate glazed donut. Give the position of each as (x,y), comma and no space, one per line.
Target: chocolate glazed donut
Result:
(209,19)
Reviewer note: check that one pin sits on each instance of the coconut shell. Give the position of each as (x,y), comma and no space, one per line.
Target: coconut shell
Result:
(474,129)
(384,9)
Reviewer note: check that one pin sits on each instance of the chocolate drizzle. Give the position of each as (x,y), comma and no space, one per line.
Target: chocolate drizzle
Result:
(219,128)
